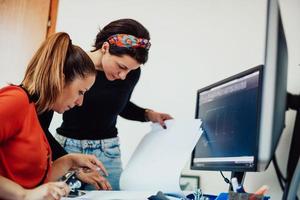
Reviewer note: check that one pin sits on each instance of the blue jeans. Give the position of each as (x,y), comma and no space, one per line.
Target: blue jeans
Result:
(106,150)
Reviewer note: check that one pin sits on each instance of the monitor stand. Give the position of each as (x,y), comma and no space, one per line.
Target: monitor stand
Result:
(293,102)
(240,177)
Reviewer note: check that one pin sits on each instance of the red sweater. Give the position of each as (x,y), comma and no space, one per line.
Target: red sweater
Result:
(24,150)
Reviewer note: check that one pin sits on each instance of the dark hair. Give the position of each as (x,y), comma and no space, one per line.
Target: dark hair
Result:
(124,26)
(77,63)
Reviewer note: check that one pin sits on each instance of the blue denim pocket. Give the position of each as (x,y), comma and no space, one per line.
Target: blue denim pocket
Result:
(111,148)
(112,151)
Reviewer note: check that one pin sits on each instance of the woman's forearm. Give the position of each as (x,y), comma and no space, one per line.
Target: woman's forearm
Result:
(11,190)
(61,166)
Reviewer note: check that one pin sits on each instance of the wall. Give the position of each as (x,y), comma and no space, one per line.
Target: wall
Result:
(194,43)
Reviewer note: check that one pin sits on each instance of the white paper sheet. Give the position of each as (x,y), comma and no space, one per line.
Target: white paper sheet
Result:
(157,162)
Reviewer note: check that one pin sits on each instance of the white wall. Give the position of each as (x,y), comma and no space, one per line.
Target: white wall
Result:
(194,43)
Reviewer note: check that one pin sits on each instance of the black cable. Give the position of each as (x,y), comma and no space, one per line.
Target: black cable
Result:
(226,179)
(280,173)
(281,179)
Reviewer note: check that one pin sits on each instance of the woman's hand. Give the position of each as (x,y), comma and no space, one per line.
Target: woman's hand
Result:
(94,178)
(75,161)
(48,191)
(86,161)
(160,118)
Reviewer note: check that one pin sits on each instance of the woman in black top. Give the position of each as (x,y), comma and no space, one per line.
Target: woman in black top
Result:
(120,48)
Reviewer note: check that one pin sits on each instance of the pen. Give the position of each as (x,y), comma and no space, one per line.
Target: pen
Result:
(67,176)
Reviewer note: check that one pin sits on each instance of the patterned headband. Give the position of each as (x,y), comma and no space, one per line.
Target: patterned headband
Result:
(129,41)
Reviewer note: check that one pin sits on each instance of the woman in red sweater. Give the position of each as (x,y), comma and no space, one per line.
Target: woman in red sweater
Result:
(56,79)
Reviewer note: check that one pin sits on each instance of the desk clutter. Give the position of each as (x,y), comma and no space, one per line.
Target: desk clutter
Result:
(198,195)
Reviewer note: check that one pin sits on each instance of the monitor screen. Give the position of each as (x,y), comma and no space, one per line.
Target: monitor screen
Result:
(229,111)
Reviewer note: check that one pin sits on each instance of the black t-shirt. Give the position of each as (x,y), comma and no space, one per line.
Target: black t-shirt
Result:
(45,120)
(97,117)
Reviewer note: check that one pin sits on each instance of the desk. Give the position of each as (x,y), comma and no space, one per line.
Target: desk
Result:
(123,195)
(114,195)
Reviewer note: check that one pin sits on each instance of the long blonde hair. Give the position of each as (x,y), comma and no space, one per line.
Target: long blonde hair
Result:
(56,63)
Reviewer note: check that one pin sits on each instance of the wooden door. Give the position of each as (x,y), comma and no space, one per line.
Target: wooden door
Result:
(23,26)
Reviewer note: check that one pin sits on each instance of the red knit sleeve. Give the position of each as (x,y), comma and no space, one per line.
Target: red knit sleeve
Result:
(13,107)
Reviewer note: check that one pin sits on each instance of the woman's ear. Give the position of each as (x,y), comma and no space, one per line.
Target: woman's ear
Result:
(105,47)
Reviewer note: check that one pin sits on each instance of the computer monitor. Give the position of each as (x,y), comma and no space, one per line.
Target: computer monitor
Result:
(229,111)
(243,115)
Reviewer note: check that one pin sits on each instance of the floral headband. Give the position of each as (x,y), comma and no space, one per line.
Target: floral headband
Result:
(129,41)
